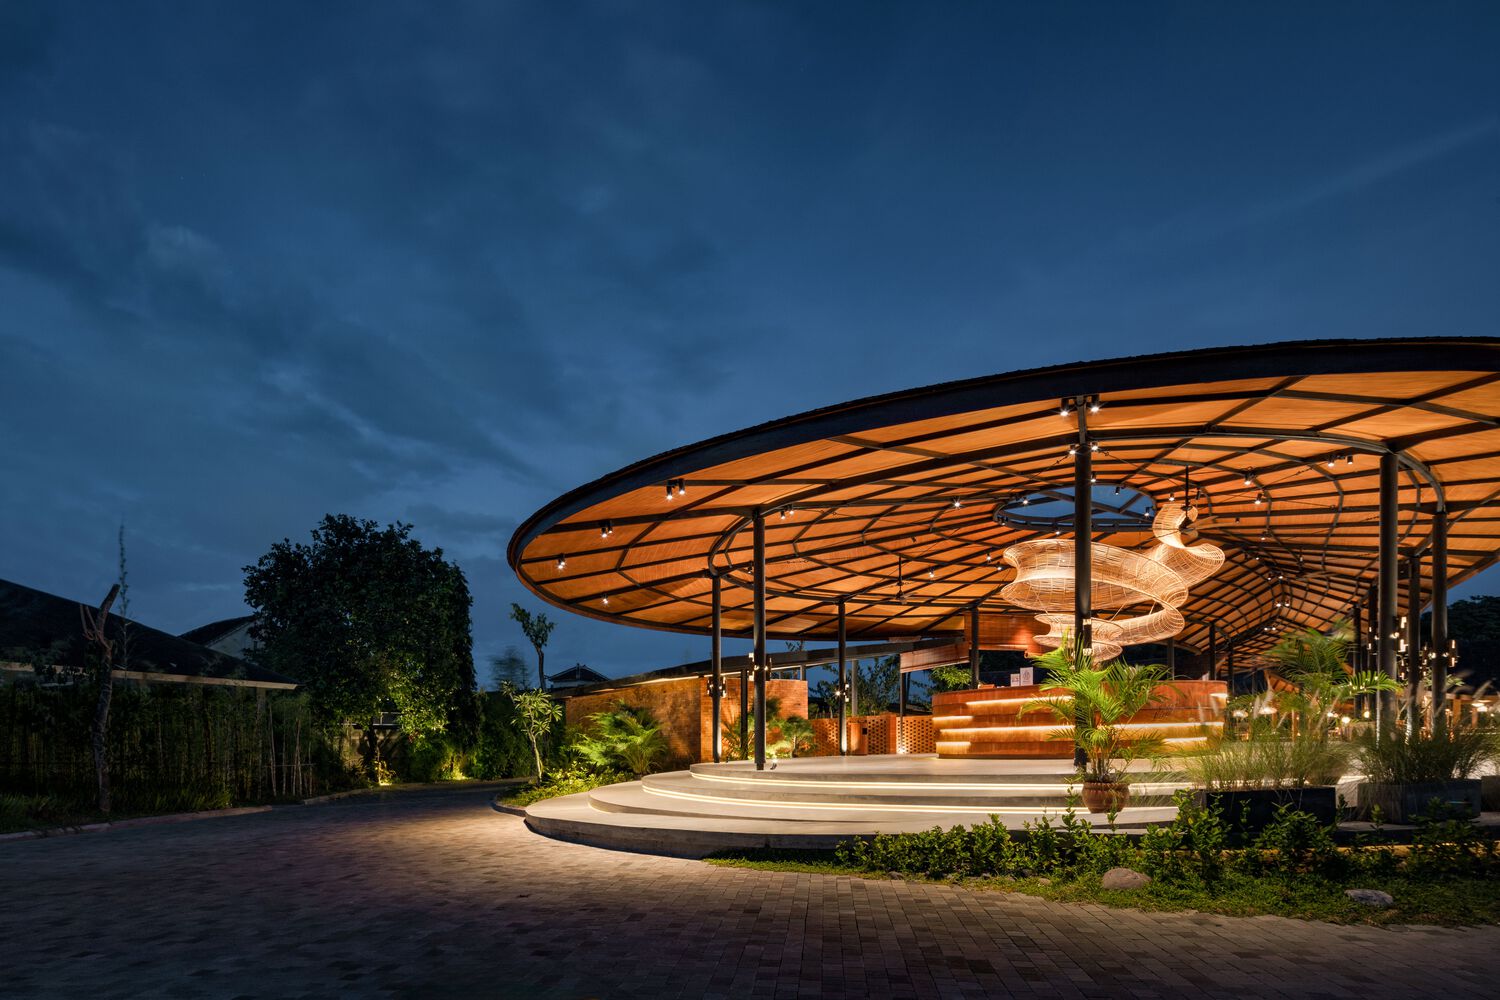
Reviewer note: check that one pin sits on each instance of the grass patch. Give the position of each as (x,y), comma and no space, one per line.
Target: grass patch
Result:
(1450,901)
(564,783)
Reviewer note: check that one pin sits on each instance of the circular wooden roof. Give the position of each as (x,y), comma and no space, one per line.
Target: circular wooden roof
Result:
(893,502)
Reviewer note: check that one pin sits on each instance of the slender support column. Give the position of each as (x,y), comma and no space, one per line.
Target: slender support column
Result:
(1387,626)
(716,685)
(901,693)
(745,711)
(1357,651)
(854,689)
(760,640)
(1439,635)
(974,645)
(1172,657)
(1414,662)
(1083,546)
(843,687)
(1440,642)
(1083,532)
(1229,670)
(1213,651)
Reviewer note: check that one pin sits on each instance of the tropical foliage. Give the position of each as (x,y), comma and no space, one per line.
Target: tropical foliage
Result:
(624,737)
(536,716)
(1315,663)
(1092,704)
(370,622)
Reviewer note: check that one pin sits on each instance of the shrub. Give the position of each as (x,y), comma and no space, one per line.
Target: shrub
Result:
(1295,843)
(1269,759)
(624,737)
(1400,759)
(567,781)
(1191,847)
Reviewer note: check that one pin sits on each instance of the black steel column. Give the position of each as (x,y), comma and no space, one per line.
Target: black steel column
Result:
(1083,548)
(1083,533)
(1413,644)
(1229,669)
(1387,626)
(1213,651)
(843,688)
(974,645)
(760,640)
(1439,635)
(1357,651)
(716,656)
(1172,657)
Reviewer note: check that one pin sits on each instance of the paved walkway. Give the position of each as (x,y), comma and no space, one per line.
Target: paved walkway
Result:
(438,895)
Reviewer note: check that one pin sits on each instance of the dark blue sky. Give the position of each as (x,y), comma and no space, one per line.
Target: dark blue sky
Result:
(442,262)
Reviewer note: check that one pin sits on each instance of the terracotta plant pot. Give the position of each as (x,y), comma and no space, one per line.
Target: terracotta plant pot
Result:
(1105,796)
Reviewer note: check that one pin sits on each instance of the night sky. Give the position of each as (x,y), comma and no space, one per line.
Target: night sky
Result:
(442,262)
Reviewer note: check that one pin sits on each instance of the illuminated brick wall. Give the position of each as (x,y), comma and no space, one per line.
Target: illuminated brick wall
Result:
(684,707)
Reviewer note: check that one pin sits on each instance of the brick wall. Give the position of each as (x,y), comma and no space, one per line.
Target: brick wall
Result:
(675,704)
(916,735)
(684,708)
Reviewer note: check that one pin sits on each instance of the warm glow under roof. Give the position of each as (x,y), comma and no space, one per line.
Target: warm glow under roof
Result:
(889,502)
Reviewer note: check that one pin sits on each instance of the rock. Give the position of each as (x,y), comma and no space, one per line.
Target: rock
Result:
(1044,881)
(1370,897)
(1124,878)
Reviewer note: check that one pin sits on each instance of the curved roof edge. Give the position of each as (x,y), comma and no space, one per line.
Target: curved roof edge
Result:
(1146,371)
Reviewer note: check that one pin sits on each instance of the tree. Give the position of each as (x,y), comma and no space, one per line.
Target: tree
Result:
(875,685)
(95,632)
(510,668)
(370,622)
(538,630)
(538,713)
(798,733)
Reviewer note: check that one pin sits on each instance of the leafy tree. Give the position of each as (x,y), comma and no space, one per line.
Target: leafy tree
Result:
(537,713)
(370,622)
(953,677)
(797,733)
(878,684)
(510,668)
(538,629)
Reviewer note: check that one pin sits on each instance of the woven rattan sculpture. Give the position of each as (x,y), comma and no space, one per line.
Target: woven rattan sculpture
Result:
(1155,583)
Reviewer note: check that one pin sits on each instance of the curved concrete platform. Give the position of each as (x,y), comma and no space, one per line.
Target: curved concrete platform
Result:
(817,802)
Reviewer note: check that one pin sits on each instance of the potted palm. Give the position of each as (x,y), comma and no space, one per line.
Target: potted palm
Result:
(1093,704)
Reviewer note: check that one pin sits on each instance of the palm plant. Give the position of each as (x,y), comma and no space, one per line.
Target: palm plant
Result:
(1093,703)
(1316,663)
(625,736)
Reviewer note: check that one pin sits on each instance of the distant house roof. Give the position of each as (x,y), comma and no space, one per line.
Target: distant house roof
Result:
(33,622)
(573,676)
(207,635)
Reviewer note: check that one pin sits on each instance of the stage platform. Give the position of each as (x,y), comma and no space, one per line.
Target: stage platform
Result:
(815,802)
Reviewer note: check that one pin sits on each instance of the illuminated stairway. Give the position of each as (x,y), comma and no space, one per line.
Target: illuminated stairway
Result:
(816,802)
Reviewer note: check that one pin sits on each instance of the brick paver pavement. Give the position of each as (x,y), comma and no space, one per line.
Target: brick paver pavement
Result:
(438,895)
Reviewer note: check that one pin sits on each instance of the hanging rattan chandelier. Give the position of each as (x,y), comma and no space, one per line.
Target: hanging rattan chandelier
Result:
(1122,579)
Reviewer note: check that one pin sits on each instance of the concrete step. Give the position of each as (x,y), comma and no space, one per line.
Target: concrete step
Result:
(791,790)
